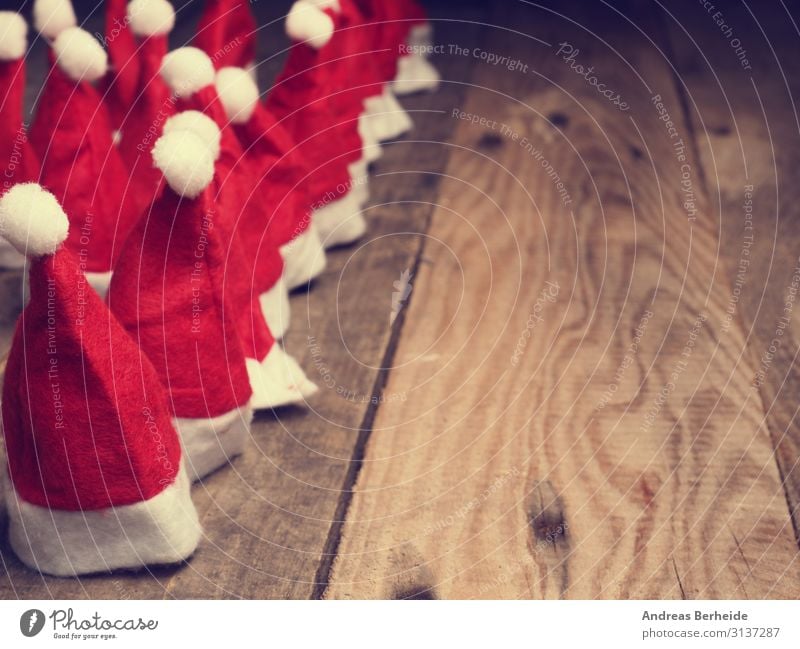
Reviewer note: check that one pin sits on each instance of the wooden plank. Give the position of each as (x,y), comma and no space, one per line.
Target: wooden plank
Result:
(267,519)
(744,108)
(578,424)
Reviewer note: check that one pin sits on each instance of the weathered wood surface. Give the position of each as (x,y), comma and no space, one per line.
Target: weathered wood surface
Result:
(598,439)
(743,97)
(268,518)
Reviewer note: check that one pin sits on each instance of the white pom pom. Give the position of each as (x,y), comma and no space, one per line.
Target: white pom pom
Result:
(32,220)
(13,36)
(187,70)
(150,17)
(185,161)
(51,17)
(80,55)
(238,93)
(307,23)
(198,123)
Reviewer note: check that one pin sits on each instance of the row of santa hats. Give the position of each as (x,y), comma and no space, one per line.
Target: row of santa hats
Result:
(164,210)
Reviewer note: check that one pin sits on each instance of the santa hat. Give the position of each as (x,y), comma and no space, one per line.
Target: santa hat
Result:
(17,155)
(119,86)
(166,292)
(264,357)
(95,479)
(227,33)
(414,72)
(309,101)
(51,17)
(190,75)
(80,164)
(150,21)
(237,179)
(281,185)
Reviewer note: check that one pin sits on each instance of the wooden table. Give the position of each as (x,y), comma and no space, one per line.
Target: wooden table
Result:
(591,390)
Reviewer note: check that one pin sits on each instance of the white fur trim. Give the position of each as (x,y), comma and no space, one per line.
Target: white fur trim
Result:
(309,24)
(359,180)
(162,530)
(100,282)
(303,258)
(51,17)
(80,55)
(420,37)
(13,36)
(238,93)
(340,222)
(150,17)
(372,147)
(211,443)
(388,119)
(278,381)
(275,308)
(32,220)
(186,162)
(187,70)
(200,124)
(415,74)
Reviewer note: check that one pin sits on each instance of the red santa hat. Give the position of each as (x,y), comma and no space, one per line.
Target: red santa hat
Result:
(80,163)
(95,479)
(227,33)
(190,75)
(387,119)
(308,100)
(151,21)
(415,73)
(166,292)
(281,176)
(16,152)
(276,379)
(119,86)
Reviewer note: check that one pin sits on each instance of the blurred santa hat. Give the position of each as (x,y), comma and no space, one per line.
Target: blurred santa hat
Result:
(119,85)
(151,22)
(72,136)
(95,478)
(304,99)
(282,186)
(415,73)
(21,164)
(226,32)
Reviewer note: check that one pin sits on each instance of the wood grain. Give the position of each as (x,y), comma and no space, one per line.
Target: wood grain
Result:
(601,439)
(749,136)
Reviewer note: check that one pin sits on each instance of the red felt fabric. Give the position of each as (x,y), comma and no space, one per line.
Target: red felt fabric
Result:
(167,291)
(227,33)
(19,160)
(237,197)
(119,87)
(282,190)
(85,416)
(308,101)
(144,123)
(82,167)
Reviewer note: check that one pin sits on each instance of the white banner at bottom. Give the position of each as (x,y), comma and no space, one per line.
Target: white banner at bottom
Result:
(401,625)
